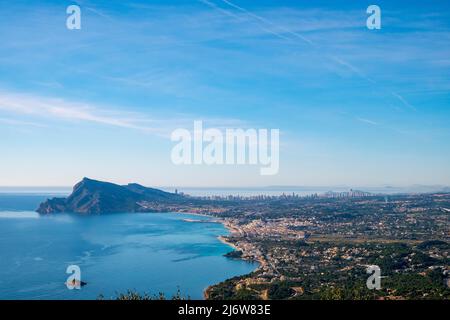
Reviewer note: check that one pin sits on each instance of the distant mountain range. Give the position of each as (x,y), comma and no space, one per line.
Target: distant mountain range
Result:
(92,196)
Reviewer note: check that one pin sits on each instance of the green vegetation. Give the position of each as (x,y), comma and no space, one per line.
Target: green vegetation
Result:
(134,295)
(236,254)
(337,271)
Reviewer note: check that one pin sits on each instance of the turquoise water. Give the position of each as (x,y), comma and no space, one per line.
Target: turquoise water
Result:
(146,252)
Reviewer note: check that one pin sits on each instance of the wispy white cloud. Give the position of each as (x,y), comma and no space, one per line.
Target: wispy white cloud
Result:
(63,110)
(266,21)
(14,122)
(279,30)
(403,100)
(99,13)
(368,121)
(231,14)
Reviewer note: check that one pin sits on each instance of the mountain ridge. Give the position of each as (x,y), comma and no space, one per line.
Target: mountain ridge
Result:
(93,196)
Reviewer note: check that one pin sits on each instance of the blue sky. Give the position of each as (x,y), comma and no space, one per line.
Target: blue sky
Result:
(355,107)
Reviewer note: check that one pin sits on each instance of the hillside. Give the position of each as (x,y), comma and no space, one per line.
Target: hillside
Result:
(92,196)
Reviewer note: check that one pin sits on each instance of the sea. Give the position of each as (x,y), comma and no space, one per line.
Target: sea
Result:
(143,252)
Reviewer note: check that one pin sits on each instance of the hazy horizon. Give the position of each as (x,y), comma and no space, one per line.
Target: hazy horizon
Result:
(244,190)
(387,185)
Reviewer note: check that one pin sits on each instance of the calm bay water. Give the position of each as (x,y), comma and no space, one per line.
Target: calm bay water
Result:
(146,252)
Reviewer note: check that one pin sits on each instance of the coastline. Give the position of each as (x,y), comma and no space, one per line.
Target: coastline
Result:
(223,239)
(234,229)
(193,214)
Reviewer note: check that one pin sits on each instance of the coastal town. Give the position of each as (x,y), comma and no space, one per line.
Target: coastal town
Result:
(320,247)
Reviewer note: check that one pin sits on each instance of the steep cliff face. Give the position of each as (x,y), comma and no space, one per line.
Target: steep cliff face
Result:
(91,196)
